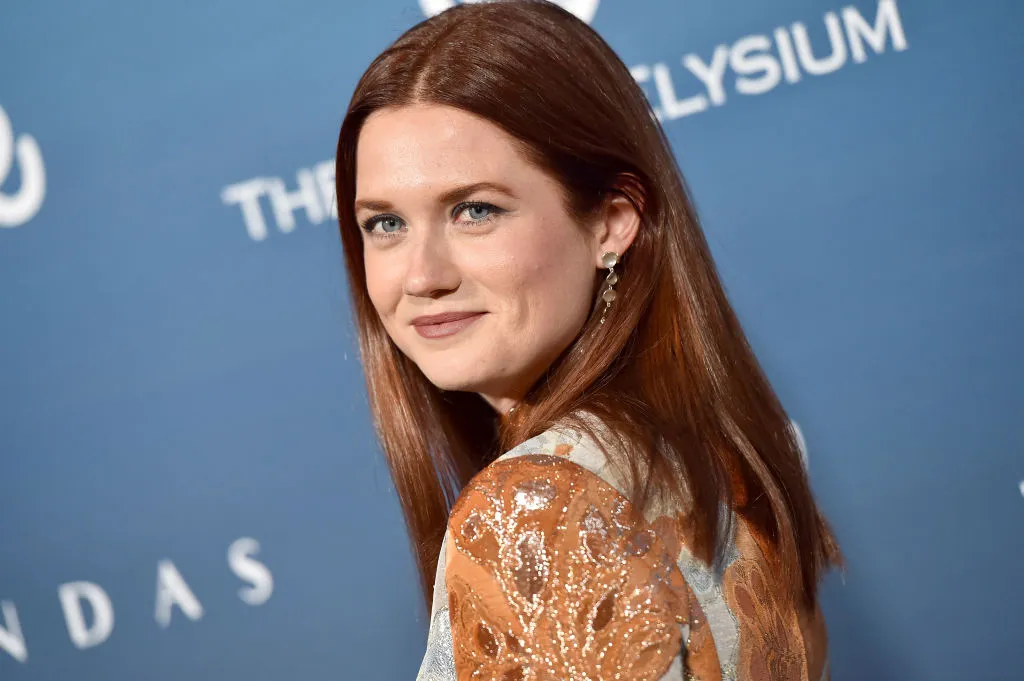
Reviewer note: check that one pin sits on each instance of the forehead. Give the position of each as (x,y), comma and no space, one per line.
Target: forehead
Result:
(427,146)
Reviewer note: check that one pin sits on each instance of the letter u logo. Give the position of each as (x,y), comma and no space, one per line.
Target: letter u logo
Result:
(18,208)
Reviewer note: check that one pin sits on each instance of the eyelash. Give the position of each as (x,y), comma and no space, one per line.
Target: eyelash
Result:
(370,223)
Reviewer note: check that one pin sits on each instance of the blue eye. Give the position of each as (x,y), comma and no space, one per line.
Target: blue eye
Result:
(475,212)
(389,224)
(478,211)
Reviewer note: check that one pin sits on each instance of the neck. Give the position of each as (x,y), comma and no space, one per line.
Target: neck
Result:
(501,404)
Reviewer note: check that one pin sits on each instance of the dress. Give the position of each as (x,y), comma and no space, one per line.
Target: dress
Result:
(544,574)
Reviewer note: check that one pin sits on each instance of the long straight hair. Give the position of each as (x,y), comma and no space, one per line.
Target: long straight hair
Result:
(670,372)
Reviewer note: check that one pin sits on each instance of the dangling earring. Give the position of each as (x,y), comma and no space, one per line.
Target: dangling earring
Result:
(610,259)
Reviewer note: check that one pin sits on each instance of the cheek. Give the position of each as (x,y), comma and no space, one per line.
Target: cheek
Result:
(555,276)
(383,284)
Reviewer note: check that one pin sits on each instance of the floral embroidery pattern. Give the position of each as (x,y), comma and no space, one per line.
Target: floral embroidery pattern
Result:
(553,576)
(549,574)
(772,647)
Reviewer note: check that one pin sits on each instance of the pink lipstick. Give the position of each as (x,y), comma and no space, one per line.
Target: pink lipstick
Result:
(444,324)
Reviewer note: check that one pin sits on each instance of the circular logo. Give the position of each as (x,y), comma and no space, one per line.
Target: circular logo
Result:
(17,209)
(583,9)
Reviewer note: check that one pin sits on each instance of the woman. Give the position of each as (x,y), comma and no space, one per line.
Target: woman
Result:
(550,355)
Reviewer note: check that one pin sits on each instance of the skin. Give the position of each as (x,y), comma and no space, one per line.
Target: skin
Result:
(461,221)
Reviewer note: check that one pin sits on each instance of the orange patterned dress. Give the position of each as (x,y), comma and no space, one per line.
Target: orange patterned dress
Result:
(546,573)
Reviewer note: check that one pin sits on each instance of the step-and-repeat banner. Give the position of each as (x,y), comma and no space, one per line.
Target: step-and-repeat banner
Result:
(189,482)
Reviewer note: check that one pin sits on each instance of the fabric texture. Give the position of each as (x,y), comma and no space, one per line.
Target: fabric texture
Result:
(547,572)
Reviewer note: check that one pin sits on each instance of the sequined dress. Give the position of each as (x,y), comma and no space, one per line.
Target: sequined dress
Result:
(545,573)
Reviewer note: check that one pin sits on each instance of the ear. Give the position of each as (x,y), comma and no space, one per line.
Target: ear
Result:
(616,226)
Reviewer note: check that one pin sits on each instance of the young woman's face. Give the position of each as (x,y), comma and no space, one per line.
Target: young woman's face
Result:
(477,270)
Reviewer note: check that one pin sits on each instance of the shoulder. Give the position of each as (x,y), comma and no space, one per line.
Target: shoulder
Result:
(554,479)
(549,561)
(559,476)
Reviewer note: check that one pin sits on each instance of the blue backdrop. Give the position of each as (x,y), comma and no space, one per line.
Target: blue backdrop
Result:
(189,483)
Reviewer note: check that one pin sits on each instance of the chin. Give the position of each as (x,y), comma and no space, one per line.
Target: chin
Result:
(450,377)
(455,376)
(454,383)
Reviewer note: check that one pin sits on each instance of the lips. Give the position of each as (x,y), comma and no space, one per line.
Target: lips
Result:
(444,324)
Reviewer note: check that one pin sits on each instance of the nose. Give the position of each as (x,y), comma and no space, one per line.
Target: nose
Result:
(431,272)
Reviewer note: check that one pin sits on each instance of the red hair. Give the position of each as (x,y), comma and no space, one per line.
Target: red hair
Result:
(670,372)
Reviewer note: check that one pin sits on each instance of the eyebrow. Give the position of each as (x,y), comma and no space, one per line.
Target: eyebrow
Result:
(450,196)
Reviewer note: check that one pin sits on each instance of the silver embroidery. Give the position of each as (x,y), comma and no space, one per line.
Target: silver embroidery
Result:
(439,661)
(534,495)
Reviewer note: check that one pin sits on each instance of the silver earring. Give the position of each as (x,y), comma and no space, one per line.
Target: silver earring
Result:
(609,260)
